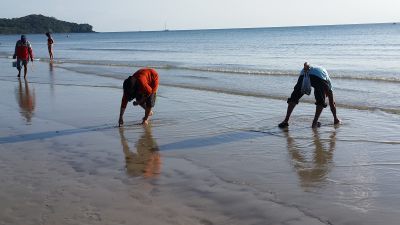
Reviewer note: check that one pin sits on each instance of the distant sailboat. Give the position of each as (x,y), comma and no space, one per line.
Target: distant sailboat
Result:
(165,27)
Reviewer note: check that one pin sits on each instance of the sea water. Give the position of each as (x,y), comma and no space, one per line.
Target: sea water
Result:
(363,60)
(232,86)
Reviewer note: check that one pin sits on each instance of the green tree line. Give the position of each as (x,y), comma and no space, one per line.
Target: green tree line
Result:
(33,24)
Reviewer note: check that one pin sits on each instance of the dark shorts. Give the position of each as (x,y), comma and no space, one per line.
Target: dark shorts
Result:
(150,101)
(21,61)
(321,88)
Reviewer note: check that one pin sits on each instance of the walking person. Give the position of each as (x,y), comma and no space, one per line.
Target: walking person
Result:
(23,51)
(321,82)
(142,86)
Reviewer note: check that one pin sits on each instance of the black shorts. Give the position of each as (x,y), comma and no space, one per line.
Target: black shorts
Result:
(150,101)
(321,87)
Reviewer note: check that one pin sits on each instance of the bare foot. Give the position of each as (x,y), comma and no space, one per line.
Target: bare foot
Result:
(316,125)
(336,121)
(145,122)
(151,113)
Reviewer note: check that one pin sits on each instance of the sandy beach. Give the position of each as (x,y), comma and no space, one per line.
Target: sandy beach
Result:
(206,157)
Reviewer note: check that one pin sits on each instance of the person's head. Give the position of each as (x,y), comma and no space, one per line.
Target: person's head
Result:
(23,38)
(306,66)
(48,34)
(129,88)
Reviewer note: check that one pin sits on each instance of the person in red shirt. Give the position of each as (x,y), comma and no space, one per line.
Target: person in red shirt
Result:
(142,85)
(50,43)
(23,51)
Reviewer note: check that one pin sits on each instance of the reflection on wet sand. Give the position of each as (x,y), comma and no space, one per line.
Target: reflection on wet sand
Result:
(146,161)
(26,100)
(313,170)
(51,73)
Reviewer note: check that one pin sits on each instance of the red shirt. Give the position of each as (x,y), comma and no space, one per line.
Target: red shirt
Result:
(147,79)
(23,50)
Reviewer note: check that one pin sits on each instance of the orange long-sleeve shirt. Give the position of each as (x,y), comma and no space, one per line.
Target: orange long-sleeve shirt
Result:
(147,80)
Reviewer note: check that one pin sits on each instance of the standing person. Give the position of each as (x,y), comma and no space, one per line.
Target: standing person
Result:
(321,83)
(23,51)
(50,43)
(142,85)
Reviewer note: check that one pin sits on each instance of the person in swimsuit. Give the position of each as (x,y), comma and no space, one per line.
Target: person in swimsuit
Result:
(50,43)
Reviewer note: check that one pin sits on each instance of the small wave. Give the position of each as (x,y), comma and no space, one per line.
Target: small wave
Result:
(231,70)
(227,69)
(278,97)
(343,44)
(125,50)
(368,78)
(235,92)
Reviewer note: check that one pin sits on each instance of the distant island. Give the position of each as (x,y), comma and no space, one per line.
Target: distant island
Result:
(35,24)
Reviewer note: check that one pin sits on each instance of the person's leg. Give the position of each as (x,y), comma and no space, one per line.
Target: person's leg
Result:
(320,88)
(19,67)
(291,106)
(318,111)
(148,106)
(144,106)
(50,52)
(292,102)
(25,63)
(332,106)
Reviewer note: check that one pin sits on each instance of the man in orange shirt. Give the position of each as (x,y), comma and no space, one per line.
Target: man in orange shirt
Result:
(142,85)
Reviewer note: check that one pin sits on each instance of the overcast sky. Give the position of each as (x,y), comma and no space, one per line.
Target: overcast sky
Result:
(134,15)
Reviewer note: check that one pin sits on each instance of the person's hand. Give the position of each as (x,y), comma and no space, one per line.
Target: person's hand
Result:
(120,122)
(31,60)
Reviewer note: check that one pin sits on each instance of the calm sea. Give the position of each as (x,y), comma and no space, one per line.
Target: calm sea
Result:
(363,60)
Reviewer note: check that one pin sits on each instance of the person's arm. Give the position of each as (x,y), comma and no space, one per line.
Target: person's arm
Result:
(147,89)
(15,51)
(155,82)
(30,51)
(124,103)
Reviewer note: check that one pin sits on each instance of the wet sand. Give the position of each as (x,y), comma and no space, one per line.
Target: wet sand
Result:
(206,158)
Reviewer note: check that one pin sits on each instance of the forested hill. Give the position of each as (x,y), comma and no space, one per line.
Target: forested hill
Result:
(34,24)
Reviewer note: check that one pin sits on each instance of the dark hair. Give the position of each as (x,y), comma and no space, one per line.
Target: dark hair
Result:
(48,34)
(129,89)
